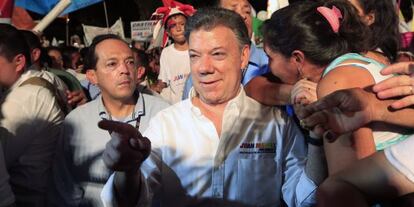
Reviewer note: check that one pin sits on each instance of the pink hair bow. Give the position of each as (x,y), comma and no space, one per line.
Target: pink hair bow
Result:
(332,16)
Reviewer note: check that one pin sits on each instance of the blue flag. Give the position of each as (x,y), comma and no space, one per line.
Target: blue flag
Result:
(44,6)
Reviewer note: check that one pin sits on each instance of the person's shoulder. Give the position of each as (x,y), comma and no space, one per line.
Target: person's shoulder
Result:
(84,110)
(258,56)
(179,109)
(273,114)
(155,101)
(344,77)
(168,49)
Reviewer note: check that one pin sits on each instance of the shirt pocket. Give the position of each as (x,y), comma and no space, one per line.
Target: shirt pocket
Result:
(259,181)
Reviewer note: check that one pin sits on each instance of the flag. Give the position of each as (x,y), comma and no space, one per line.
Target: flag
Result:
(6,10)
(92,31)
(44,6)
(21,19)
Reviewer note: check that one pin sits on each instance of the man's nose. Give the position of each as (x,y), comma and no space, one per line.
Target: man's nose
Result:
(206,65)
(124,68)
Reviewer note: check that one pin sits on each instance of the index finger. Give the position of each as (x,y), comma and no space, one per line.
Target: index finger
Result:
(406,68)
(330,101)
(121,128)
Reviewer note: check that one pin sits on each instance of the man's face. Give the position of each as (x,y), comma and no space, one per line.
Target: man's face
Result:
(57,60)
(242,7)
(9,70)
(216,61)
(175,25)
(115,72)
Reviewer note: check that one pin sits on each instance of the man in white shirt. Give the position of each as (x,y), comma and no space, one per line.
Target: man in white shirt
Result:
(218,148)
(30,120)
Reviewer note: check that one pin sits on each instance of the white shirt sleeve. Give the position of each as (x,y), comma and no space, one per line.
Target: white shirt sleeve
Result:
(108,198)
(400,156)
(149,173)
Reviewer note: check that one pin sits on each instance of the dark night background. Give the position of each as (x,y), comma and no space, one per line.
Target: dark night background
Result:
(128,10)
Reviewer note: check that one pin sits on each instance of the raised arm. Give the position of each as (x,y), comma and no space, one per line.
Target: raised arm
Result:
(268,91)
(125,153)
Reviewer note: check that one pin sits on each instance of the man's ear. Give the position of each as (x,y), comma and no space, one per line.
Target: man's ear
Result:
(140,72)
(35,55)
(245,56)
(91,76)
(20,62)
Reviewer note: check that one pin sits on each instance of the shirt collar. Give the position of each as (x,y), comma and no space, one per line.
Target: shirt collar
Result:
(139,109)
(236,103)
(25,75)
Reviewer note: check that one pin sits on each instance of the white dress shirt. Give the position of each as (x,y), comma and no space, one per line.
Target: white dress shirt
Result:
(257,160)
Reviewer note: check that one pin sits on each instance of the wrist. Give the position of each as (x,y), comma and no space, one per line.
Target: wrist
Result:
(380,111)
(314,140)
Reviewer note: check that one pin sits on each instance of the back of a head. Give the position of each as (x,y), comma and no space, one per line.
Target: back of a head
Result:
(385,26)
(13,43)
(32,39)
(210,18)
(301,26)
(91,58)
(142,57)
(67,53)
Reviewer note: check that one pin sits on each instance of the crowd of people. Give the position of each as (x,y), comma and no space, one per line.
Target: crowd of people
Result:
(321,116)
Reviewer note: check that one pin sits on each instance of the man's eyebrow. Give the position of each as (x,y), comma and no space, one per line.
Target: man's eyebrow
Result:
(217,48)
(111,58)
(193,50)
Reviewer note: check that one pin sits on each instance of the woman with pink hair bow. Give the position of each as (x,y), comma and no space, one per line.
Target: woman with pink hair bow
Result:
(320,46)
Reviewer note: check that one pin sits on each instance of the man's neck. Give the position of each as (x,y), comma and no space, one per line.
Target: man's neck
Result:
(181,46)
(214,112)
(119,108)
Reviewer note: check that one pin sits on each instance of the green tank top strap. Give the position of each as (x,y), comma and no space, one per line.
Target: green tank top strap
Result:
(350,56)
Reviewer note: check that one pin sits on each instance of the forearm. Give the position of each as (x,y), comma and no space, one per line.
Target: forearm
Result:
(268,92)
(316,168)
(127,187)
(401,117)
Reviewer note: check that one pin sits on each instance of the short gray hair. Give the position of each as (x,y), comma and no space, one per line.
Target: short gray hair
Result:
(210,18)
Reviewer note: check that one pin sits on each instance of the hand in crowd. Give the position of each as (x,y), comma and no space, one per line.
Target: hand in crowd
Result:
(127,148)
(397,86)
(76,98)
(340,112)
(303,92)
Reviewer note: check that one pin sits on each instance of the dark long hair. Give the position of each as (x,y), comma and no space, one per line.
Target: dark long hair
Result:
(385,26)
(301,27)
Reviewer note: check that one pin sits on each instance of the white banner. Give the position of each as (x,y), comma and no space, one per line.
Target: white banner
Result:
(142,30)
(92,31)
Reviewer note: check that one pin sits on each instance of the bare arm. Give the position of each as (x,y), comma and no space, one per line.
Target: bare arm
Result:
(268,91)
(360,143)
(370,179)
